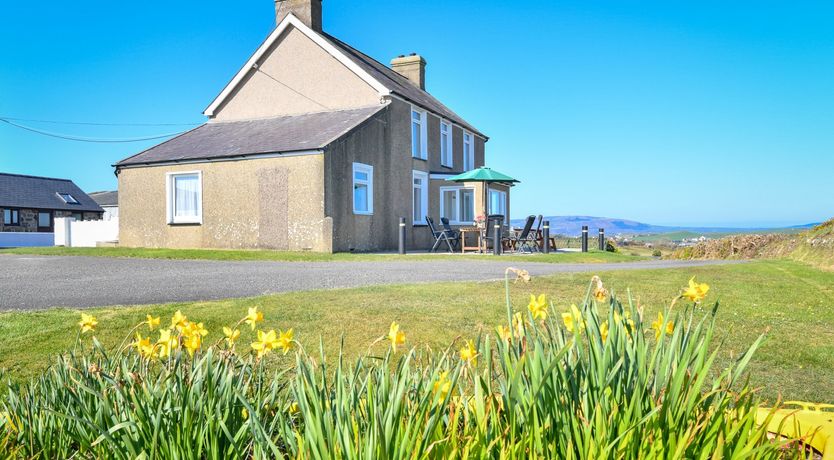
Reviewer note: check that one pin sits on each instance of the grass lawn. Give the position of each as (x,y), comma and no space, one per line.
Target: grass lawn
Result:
(243,254)
(794,302)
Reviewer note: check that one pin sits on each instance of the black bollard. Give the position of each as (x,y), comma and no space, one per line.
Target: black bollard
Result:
(602,239)
(546,236)
(402,235)
(584,238)
(496,240)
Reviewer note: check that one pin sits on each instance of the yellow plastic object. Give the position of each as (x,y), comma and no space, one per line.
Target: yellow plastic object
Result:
(812,423)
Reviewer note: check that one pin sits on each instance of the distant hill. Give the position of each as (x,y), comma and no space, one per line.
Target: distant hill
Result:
(572,225)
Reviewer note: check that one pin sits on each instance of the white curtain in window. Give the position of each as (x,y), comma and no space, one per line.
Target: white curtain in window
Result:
(186,196)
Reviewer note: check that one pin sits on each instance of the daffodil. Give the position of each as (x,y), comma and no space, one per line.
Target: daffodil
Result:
(660,326)
(695,292)
(253,317)
(152,322)
(231,335)
(518,325)
(178,321)
(166,343)
(396,336)
(285,340)
(87,323)
(442,385)
(538,307)
(293,409)
(266,342)
(244,413)
(504,333)
(192,329)
(603,331)
(144,346)
(469,353)
(192,343)
(600,293)
(573,320)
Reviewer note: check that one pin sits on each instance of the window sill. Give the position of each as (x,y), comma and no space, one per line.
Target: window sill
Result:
(360,213)
(418,158)
(184,224)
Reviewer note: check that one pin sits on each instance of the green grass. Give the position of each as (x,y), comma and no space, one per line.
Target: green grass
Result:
(285,256)
(794,302)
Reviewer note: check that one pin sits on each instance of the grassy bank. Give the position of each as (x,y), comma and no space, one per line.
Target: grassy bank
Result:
(285,256)
(793,301)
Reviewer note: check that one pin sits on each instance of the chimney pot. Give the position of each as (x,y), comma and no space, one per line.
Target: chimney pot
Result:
(412,67)
(308,11)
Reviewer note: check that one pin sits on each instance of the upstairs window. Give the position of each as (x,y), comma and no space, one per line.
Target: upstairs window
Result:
(11,217)
(363,189)
(446,152)
(419,133)
(185,198)
(468,152)
(68,199)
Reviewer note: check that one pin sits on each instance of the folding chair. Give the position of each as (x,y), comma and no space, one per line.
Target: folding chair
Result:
(452,233)
(526,239)
(439,236)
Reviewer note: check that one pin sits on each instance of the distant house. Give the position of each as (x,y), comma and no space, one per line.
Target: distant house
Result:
(312,145)
(109,201)
(31,203)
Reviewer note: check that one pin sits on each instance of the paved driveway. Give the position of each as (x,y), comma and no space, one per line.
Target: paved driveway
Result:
(34,282)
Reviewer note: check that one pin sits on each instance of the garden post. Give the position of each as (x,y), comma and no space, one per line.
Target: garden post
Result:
(602,239)
(546,237)
(402,235)
(584,238)
(496,239)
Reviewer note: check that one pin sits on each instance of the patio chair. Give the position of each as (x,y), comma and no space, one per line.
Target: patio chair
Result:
(492,219)
(452,233)
(525,239)
(440,236)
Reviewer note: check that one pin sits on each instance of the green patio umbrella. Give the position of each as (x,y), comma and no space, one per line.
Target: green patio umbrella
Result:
(486,175)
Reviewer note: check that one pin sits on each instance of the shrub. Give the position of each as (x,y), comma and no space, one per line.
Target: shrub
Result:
(589,381)
(657,253)
(611,246)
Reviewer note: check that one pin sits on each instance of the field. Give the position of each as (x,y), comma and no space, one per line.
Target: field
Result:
(793,303)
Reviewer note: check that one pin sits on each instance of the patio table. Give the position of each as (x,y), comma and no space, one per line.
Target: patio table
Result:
(463,231)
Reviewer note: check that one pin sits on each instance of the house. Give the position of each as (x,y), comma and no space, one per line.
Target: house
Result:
(312,145)
(31,204)
(109,201)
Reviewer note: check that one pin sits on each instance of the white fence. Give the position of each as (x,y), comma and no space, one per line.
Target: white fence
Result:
(25,239)
(79,234)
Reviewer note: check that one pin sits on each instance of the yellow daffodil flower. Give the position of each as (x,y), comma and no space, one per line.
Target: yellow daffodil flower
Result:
(166,343)
(178,321)
(396,336)
(293,409)
(244,413)
(504,333)
(231,335)
(192,343)
(695,292)
(660,326)
(285,340)
(87,323)
(469,353)
(192,329)
(152,322)
(573,320)
(144,346)
(670,328)
(442,385)
(266,342)
(603,331)
(538,307)
(253,317)
(518,325)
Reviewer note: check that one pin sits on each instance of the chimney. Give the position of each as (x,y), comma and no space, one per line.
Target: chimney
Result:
(308,11)
(412,67)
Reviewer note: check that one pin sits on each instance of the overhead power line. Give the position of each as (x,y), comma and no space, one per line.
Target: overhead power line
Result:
(87,139)
(54,122)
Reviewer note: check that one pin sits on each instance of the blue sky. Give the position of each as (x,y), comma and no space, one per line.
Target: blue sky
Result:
(698,113)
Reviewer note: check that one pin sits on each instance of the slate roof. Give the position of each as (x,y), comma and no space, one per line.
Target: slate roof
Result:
(108,198)
(231,139)
(19,191)
(398,84)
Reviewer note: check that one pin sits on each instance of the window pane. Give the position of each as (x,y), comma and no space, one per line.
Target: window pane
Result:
(416,141)
(360,175)
(418,205)
(467,205)
(186,196)
(44,219)
(449,204)
(7,217)
(360,197)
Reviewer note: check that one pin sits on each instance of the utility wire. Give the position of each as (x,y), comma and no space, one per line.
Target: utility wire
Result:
(258,69)
(87,139)
(54,122)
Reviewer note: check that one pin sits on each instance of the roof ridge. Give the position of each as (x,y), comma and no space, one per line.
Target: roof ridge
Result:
(34,177)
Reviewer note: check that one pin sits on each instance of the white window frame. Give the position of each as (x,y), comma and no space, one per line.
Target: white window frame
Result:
(170,197)
(424,137)
(449,160)
(424,196)
(458,199)
(468,151)
(503,195)
(369,170)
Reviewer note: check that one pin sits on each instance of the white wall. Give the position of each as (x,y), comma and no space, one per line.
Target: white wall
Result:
(110,212)
(72,233)
(25,239)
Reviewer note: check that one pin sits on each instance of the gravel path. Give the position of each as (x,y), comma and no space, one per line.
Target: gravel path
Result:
(36,282)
